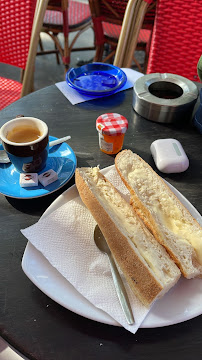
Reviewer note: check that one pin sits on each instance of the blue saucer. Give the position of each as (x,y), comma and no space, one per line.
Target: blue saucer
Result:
(61,159)
(97,79)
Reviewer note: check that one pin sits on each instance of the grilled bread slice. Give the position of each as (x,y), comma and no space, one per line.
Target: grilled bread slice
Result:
(162,212)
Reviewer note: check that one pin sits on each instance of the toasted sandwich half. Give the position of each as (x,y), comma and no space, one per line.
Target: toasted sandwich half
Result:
(162,213)
(147,267)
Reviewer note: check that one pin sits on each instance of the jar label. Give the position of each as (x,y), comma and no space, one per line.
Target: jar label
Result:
(105,145)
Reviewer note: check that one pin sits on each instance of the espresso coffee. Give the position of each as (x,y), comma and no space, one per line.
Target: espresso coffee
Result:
(23,134)
(26,141)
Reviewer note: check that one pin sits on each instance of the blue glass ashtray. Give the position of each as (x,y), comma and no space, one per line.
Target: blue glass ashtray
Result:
(96,79)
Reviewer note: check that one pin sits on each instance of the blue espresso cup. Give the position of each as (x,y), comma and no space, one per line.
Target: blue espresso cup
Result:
(26,141)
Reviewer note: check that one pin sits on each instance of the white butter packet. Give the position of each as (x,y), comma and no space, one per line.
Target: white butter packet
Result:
(48,177)
(28,179)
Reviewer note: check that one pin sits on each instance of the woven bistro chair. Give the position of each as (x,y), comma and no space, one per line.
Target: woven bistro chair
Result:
(176,42)
(107,19)
(19,34)
(65,17)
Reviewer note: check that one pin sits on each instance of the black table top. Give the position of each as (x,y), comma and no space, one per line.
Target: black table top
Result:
(53,332)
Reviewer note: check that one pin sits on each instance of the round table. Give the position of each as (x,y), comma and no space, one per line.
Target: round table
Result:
(52,332)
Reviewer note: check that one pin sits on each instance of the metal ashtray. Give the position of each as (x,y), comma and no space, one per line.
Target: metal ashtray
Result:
(164,98)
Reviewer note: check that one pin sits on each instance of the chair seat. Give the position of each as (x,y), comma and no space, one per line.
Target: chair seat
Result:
(80,14)
(113,31)
(10,91)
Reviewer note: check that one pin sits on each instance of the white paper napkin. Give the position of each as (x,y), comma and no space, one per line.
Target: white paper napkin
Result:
(65,238)
(75,97)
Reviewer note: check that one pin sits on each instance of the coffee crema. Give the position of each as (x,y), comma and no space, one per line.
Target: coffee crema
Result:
(23,134)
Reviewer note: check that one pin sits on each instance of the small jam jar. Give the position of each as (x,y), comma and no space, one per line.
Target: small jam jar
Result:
(111,128)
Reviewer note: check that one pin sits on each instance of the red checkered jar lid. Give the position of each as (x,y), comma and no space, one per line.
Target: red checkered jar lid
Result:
(111,124)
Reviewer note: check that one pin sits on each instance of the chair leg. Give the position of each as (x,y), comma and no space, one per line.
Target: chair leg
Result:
(22,71)
(99,53)
(57,56)
(56,42)
(109,57)
(81,31)
(146,63)
(66,55)
(56,50)
(137,64)
(41,44)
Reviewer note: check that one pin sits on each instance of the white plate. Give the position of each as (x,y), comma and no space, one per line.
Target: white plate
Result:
(181,303)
